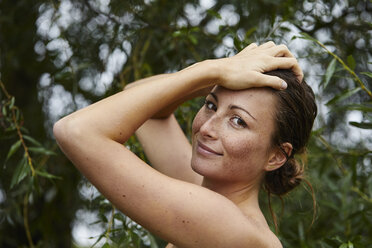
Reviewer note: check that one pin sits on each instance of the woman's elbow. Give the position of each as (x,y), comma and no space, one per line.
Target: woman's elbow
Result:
(59,129)
(65,131)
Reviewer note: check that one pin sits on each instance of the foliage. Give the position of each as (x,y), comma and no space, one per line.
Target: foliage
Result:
(58,56)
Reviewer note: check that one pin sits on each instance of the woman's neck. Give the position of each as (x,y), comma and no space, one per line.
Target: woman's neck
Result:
(245,197)
(239,193)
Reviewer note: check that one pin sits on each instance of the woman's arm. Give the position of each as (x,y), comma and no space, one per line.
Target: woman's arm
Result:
(162,132)
(170,108)
(182,213)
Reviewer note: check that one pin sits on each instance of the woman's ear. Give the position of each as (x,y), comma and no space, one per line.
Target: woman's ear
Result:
(279,156)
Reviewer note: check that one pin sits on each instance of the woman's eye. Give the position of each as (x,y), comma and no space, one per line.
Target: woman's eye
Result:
(210,105)
(237,121)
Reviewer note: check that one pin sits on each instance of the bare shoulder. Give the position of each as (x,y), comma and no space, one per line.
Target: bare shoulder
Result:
(263,235)
(251,233)
(273,239)
(266,239)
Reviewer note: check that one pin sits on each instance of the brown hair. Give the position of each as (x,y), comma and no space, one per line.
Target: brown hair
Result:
(294,118)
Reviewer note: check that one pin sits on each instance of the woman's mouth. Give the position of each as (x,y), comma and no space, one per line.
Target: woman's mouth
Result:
(205,150)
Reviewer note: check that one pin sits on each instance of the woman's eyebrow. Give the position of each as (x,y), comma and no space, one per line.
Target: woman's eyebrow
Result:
(237,107)
(214,96)
(233,106)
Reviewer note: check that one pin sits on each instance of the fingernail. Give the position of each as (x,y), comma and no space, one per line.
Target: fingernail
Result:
(284,85)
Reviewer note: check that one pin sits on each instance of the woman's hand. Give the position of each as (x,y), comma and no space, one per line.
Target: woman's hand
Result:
(246,69)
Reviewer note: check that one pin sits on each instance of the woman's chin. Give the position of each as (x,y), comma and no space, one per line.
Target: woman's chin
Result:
(205,168)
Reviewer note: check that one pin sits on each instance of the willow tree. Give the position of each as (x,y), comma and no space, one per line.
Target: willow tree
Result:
(58,56)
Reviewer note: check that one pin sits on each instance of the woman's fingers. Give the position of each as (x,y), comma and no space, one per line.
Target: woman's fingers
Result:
(275,63)
(266,45)
(261,59)
(283,51)
(285,63)
(247,49)
(253,46)
(298,72)
(264,80)
(250,47)
(280,51)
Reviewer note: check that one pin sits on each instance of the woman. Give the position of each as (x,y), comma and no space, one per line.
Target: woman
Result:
(238,145)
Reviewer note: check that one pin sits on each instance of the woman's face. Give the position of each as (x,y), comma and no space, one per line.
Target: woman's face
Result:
(232,134)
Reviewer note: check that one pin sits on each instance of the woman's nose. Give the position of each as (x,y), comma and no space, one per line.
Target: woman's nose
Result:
(210,127)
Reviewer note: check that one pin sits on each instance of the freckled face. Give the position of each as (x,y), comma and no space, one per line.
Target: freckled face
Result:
(232,134)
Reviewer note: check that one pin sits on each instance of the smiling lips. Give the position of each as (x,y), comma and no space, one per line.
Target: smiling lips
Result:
(205,150)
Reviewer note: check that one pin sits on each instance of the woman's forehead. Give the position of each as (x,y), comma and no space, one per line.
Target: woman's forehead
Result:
(258,101)
(265,92)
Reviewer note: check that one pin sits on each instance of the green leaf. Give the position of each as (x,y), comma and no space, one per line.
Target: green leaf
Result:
(363,125)
(4,110)
(176,33)
(369,74)
(106,245)
(13,149)
(305,36)
(329,73)
(214,13)
(285,29)
(250,32)
(63,75)
(17,114)
(100,237)
(20,172)
(103,217)
(12,101)
(120,217)
(47,175)
(195,29)
(358,107)
(83,66)
(193,39)
(153,243)
(343,96)
(237,43)
(11,128)
(41,150)
(32,140)
(347,245)
(24,130)
(336,238)
(351,62)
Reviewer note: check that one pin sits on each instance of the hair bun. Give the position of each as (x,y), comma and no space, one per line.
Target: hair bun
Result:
(285,178)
